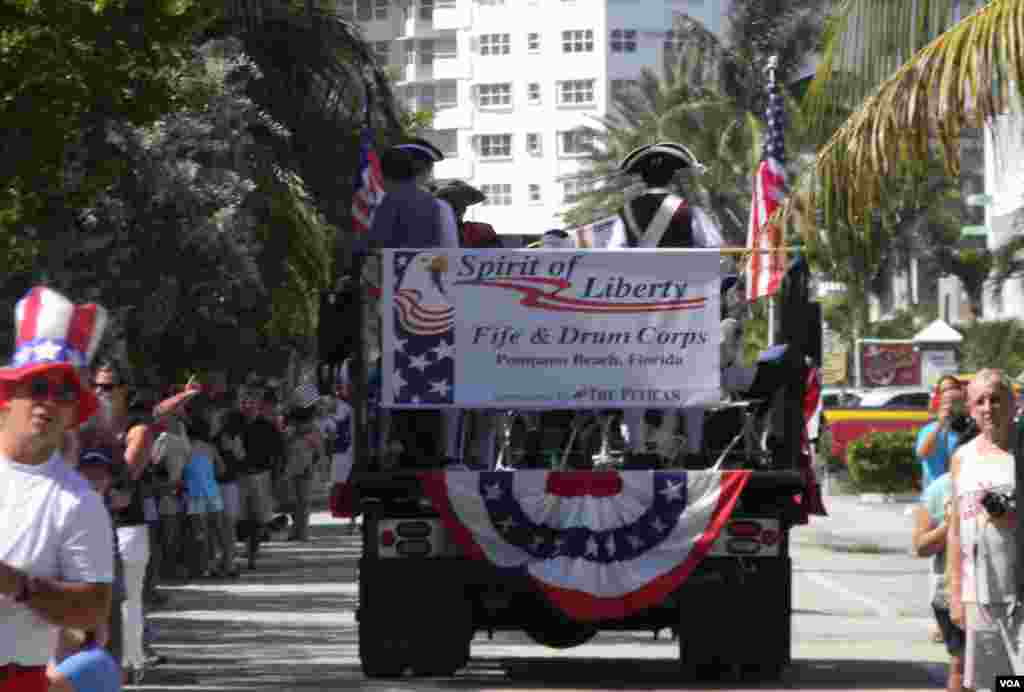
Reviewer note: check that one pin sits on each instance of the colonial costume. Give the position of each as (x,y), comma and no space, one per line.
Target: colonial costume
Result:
(658,218)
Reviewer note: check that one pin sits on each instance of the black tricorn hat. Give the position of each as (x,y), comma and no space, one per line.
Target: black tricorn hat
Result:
(663,155)
(459,193)
(422,149)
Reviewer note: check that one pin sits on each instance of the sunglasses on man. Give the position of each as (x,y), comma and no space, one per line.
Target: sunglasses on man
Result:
(45,389)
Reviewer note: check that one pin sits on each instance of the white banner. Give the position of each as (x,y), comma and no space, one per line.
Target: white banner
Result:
(550,328)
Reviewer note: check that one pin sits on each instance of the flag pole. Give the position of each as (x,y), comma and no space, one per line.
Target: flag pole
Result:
(770,68)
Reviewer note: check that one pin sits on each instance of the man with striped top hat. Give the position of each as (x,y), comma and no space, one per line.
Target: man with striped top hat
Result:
(56,546)
(658,218)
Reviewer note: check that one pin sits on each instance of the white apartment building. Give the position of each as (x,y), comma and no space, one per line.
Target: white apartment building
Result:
(512,82)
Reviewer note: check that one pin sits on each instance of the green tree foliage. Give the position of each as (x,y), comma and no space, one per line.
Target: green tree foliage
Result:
(66,67)
(994,344)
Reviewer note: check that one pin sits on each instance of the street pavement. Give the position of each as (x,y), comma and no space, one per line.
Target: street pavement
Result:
(860,622)
(854,525)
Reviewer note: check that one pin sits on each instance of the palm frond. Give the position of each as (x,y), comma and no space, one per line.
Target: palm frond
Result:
(957,81)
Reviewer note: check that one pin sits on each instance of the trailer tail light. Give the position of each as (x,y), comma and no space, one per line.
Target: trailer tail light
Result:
(744,529)
(413,529)
(416,547)
(743,546)
(748,537)
(413,538)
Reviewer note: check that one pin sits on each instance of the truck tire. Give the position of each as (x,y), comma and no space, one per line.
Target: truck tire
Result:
(382,653)
(441,647)
(560,635)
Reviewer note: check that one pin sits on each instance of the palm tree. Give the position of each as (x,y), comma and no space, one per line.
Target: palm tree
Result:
(960,79)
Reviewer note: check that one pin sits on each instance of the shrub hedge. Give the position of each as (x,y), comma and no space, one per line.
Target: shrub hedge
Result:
(884,462)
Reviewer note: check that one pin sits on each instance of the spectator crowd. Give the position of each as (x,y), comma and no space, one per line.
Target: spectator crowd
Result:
(110,488)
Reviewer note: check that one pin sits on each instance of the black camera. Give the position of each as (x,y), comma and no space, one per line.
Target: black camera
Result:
(998,504)
(964,426)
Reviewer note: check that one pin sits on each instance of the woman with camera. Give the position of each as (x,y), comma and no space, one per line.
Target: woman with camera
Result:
(981,548)
(939,439)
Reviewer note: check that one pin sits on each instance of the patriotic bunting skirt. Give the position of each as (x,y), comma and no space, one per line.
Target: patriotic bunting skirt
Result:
(600,545)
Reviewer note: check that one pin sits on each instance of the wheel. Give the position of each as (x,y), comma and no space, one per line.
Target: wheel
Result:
(382,652)
(440,652)
(560,635)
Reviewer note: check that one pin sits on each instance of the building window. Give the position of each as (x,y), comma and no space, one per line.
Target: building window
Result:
(410,53)
(498,195)
(427,10)
(533,93)
(533,42)
(447,141)
(573,189)
(382,51)
(380,11)
(495,146)
(428,97)
(447,94)
(576,91)
(534,193)
(494,95)
(491,3)
(494,44)
(533,143)
(364,10)
(446,49)
(346,9)
(623,40)
(575,142)
(621,87)
(578,41)
(427,52)
(673,42)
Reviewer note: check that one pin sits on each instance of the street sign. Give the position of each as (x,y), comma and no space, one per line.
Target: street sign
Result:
(974,231)
(979,200)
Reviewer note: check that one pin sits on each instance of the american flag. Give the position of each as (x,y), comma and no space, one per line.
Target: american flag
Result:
(424,357)
(764,269)
(369,184)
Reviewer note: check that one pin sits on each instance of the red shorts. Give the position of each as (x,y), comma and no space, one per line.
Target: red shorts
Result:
(15,678)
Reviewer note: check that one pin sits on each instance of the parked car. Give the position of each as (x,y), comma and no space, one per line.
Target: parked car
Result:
(840,397)
(897,397)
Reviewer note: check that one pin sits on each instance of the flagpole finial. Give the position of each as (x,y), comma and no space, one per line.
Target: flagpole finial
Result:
(770,67)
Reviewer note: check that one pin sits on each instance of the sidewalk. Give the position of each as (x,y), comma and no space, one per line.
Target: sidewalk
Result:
(856,526)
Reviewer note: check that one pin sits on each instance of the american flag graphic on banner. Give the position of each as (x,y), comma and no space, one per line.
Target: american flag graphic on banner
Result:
(369,184)
(424,329)
(766,269)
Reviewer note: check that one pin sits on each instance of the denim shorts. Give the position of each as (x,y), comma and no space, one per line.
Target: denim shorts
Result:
(205,505)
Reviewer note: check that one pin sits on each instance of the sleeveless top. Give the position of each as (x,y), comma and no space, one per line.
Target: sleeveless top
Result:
(988,553)
(658,212)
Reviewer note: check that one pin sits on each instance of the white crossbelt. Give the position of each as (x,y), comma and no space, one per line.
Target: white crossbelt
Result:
(658,225)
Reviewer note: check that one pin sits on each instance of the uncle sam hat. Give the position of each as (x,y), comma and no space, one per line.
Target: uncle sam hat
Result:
(52,333)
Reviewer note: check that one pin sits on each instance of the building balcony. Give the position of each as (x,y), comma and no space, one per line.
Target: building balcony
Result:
(448,169)
(417,72)
(452,117)
(452,14)
(452,66)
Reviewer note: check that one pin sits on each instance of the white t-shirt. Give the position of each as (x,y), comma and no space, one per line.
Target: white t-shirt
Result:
(53,525)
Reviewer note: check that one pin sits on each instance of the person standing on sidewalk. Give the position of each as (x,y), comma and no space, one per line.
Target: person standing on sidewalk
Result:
(937,441)
(982,543)
(56,546)
(931,524)
(263,449)
(303,447)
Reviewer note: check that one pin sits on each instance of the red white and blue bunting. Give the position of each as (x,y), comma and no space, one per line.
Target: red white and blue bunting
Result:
(600,545)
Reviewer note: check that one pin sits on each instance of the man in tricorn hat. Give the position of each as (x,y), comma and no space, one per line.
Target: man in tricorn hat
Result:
(411,217)
(658,218)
